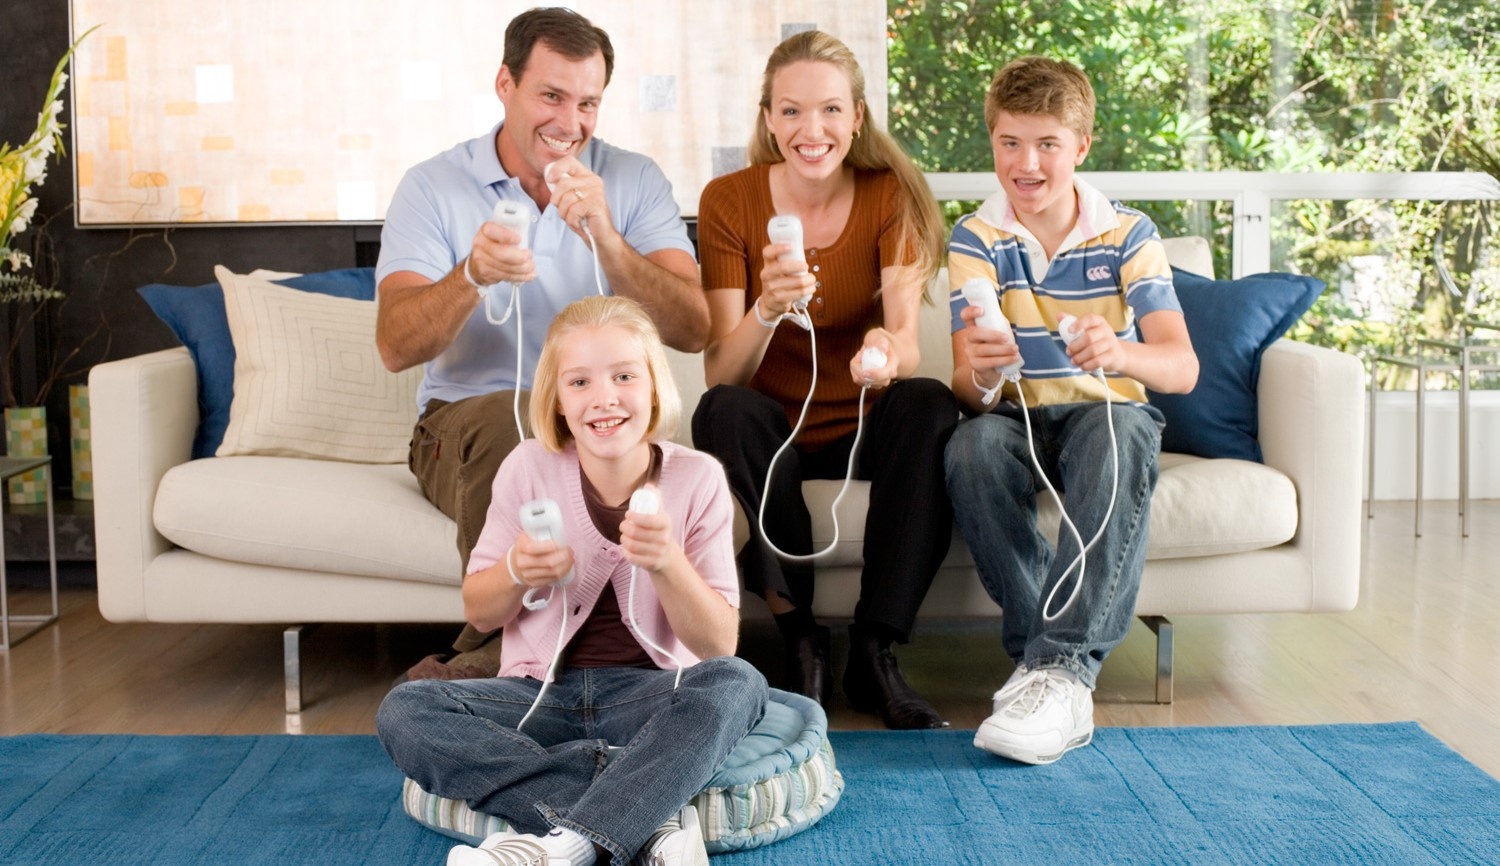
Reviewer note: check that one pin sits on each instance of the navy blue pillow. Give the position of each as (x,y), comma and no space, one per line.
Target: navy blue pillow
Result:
(196,316)
(1231,322)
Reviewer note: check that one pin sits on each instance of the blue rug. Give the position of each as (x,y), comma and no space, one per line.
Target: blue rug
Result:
(1324,794)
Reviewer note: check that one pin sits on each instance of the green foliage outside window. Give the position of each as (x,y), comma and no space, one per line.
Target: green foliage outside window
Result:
(1287,86)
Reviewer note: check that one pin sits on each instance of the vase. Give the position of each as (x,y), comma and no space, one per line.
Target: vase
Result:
(82,440)
(26,436)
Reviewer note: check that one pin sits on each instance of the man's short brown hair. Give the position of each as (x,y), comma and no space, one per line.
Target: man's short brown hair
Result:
(1041,85)
(563,30)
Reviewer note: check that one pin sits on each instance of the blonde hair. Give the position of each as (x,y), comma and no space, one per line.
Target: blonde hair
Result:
(873,149)
(603,312)
(1041,85)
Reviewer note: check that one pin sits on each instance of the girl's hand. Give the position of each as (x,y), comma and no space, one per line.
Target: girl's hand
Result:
(782,283)
(539,563)
(646,540)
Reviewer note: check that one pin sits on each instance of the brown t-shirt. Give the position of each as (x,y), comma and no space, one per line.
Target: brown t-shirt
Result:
(732,217)
(604,641)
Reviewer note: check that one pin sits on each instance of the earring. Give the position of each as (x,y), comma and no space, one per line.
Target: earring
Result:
(856,133)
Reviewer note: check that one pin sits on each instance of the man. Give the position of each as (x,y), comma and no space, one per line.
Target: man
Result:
(438,248)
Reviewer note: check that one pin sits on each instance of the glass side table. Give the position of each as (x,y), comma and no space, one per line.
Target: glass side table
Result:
(9,467)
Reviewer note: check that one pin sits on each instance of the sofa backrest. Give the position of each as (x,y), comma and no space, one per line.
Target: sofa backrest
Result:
(934,338)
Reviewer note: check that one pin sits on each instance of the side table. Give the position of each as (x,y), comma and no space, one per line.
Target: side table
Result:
(9,467)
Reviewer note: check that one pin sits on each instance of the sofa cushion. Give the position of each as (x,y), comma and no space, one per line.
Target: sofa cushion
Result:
(1231,323)
(320,515)
(1200,508)
(308,381)
(196,316)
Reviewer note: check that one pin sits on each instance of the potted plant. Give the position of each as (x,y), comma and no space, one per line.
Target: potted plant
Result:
(24,296)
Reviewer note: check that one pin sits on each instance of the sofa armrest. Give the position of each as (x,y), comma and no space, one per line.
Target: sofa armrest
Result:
(145,411)
(1311,407)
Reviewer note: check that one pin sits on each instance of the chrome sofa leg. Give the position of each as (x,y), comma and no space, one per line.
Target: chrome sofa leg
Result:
(1162,627)
(291,657)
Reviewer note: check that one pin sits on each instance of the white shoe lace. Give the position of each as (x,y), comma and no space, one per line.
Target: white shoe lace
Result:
(1035,691)
(516,851)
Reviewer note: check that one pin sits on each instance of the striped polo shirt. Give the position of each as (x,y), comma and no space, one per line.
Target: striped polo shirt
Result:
(1112,264)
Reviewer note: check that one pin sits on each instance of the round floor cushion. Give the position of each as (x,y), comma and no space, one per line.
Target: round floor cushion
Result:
(780,780)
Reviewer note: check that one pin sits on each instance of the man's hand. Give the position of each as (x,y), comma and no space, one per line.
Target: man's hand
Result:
(578,195)
(499,256)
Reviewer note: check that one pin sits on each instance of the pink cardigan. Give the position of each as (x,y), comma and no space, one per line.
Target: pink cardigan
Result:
(695,495)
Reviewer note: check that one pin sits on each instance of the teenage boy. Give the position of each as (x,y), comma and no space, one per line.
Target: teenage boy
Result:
(1051,246)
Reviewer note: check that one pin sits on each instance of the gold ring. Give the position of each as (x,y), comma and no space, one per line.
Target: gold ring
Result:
(579,193)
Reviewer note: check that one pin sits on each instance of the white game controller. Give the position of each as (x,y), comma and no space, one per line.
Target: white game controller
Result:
(1068,329)
(980,293)
(645,500)
(787,229)
(541,520)
(513,215)
(871,359)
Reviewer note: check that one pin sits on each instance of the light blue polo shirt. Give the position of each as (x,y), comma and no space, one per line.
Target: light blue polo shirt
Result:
(440,204)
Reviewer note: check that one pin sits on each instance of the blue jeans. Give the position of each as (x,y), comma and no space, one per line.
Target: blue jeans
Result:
(994,487)
(458,739)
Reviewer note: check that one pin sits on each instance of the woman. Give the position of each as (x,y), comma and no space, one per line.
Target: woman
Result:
(619,631)
(872,237)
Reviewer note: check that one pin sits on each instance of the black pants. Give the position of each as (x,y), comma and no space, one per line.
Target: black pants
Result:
(910,521)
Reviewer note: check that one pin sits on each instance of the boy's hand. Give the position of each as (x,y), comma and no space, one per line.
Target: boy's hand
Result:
(782,283)
(540,563)
(646,540)
(1096,346)
(986,350)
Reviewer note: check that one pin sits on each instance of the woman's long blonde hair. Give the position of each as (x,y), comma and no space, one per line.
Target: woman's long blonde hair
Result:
(874,149)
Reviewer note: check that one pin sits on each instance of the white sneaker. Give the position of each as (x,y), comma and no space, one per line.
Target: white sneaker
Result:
(1039,716)
(507,848)
(678,842)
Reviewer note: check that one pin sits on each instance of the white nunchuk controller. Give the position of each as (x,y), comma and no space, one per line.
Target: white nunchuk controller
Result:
(787,229)
(980,293)
(541,520)
(1067,328)
(513,215)
(871,359)
(645,500)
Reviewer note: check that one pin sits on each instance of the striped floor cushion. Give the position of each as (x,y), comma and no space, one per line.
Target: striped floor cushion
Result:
(780,780)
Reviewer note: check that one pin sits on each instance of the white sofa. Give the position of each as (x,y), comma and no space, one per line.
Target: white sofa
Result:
(297,542)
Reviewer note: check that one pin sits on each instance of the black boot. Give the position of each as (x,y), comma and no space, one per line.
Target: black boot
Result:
(808,669)
(873,684)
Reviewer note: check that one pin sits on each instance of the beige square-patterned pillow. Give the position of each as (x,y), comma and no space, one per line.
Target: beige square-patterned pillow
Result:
(308,381)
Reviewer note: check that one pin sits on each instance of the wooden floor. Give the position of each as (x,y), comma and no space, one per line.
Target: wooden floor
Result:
(1423,644)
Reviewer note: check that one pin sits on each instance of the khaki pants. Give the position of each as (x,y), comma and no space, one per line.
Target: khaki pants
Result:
(456,450)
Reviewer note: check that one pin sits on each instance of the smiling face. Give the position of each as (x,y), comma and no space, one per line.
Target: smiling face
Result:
(550,112)
(605,394)
(813,116)
(1035,157)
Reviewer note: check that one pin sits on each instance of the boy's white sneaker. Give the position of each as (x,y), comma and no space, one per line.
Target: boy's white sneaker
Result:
(1039,715)
(678,842)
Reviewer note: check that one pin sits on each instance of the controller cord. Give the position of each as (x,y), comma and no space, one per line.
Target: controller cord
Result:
(859,430)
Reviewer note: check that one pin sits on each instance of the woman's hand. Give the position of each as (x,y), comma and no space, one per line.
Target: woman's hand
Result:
(782,283)
(880,376)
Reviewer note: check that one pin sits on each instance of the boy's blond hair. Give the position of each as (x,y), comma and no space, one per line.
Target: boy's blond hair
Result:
(603,312)
(1040,85)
